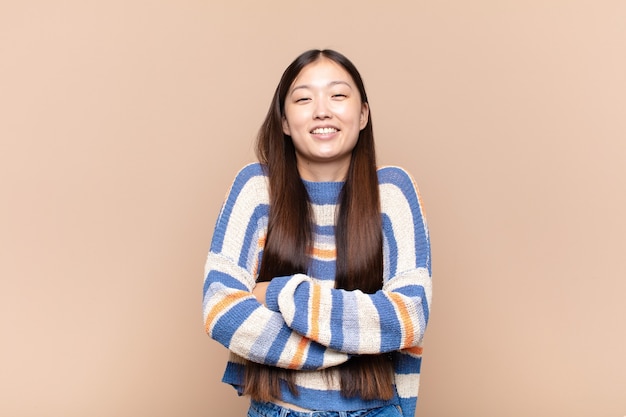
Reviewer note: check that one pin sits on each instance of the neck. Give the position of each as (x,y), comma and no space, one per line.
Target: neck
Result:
(324,171)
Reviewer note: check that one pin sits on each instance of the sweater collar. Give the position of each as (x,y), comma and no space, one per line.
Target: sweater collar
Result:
(323,192)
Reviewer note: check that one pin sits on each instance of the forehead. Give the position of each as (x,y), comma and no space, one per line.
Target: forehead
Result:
(322,73)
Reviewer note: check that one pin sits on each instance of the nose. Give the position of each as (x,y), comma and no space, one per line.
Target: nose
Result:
(321,110)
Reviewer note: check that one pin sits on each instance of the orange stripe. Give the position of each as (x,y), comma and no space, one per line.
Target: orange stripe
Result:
(260,244)
(405,319)
(324,253)
(415,350)
(299,355)
(315,313)
(419,197)
(229,300)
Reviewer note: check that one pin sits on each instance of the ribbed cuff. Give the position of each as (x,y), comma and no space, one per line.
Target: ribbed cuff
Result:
(273,290)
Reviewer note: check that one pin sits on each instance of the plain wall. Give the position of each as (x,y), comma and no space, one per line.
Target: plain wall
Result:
(122,124)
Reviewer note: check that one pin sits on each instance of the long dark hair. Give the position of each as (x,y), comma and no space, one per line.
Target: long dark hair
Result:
(290,236)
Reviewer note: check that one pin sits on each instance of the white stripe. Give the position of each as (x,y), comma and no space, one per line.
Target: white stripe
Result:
(291,348)
(286,301)
(324,215)
(215,295)
(407,385)
(325,310)
(369,338)
(395,205)
(242,209)
(219,263)
(245,340)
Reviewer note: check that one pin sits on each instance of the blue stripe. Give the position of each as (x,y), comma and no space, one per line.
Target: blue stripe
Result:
(300,299)
(233,375)
(408,405)
(336,316)
(324,270)
(277,346)
(405,364)
(333,400)
(246,173)
(392,327)
(325,231)
(350,323)
(415,291)
(315,356)
(392,246)
(227,280)
(323,193)
(229,323)
(251,237)
(261,348)
(399,178)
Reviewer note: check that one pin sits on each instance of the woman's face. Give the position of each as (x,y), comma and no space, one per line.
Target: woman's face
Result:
(324,115)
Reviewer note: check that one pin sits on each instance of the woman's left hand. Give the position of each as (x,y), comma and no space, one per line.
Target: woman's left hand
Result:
(259,291)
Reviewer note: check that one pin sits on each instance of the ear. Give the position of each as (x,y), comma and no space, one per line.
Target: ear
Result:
(365,113)
(286,130)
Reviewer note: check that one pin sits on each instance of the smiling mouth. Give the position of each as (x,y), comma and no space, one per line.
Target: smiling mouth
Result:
(324,130)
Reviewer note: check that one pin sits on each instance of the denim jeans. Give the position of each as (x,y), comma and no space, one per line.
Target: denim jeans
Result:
(258,409)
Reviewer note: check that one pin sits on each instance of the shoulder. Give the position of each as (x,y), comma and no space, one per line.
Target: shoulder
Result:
(249,172)
(250,177)
(398,190)
(404,219)
(246,202)
(397,177)
(249,188)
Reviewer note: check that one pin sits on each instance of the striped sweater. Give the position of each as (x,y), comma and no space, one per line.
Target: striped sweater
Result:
(307,324)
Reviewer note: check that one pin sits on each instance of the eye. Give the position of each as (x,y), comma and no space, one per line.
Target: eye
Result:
(339,96)
(302,100)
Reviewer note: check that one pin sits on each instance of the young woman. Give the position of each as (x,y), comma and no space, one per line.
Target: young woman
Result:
(318,279)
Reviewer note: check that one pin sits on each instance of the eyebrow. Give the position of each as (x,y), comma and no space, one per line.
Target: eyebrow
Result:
(330,84)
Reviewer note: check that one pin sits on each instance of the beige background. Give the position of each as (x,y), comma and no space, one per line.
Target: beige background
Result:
(122,124)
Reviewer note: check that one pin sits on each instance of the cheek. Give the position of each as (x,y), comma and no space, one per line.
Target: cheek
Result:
(350,113)
(295,118)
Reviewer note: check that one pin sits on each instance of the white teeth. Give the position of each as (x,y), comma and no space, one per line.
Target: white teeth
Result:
(324,130)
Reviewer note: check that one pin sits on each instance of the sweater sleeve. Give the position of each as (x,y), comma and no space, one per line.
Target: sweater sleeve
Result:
(395,317)
(232,314)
